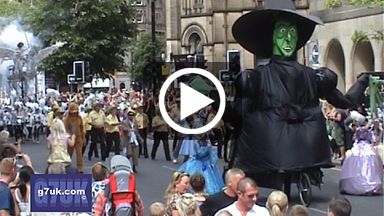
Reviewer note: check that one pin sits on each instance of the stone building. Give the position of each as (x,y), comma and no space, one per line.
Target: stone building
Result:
(143,15)
(336,48)
(204,26)
(143,20)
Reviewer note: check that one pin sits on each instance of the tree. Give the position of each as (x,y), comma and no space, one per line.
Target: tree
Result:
(95,31)
(142,67)
(12,8)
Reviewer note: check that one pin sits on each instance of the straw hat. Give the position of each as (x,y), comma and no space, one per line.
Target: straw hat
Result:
(110,108)
(96,103)
(131,111)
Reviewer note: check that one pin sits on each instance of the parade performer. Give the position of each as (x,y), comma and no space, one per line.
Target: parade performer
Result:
(205,161)
(74,125)
(131,138)
(97,121)
(281,126)
(142,124)
(362,171)
(88,128)
(58,142)
(112,135)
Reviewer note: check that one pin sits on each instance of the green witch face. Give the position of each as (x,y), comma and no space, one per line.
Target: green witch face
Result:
(284,38)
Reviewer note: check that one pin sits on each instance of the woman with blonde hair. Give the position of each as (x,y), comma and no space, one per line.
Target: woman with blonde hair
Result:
(58,141)
(179,185)
(277,203)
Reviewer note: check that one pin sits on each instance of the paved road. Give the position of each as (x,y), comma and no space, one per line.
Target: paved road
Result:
(153,177)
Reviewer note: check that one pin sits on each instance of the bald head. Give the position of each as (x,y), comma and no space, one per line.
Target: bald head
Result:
(244,183)
(233,173)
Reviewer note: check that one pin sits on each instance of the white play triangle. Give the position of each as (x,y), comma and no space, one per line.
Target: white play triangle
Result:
(191,101)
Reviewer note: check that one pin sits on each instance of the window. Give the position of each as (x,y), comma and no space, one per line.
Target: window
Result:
(139,18)
(138,2)
(158,18)
(198,6)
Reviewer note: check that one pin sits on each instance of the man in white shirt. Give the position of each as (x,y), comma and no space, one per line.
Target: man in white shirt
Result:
(246,200)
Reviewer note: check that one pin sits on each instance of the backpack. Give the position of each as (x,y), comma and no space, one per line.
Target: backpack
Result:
(121,193)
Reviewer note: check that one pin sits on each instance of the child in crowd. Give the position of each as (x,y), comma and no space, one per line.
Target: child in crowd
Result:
(157,209)
(100,174)
(339,206)
(197,182)
(277,203)
(299,210)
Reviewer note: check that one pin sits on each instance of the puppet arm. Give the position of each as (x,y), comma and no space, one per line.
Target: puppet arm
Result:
(327,81)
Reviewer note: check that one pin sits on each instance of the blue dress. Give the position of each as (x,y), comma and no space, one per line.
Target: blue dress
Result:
(205,161)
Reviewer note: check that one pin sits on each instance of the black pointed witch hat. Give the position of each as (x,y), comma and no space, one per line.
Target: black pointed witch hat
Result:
(254,30)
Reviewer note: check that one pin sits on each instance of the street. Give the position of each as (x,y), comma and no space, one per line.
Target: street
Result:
(153,178)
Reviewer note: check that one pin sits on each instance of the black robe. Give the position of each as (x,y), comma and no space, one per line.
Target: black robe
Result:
(281,123)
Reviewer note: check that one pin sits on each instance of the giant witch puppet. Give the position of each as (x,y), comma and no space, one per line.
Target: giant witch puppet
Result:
(282,127)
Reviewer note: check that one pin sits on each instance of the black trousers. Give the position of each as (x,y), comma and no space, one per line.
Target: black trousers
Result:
(97,136)
(175,139)
(11,131)
(87,136)
(163,136)
(29,132)
(112,139)
(36,132)
(143,149)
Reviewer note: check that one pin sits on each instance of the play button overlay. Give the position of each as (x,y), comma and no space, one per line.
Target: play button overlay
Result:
(188,106)
(191,101)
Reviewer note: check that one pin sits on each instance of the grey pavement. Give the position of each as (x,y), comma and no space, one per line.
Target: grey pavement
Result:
(153,177)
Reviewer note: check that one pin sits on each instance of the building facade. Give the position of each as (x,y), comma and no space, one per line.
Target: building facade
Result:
(336,48)
(205,27)
(143,17)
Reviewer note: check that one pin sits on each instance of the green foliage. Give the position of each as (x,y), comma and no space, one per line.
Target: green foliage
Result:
(95,31)
(13,8)
(367,2)
(362,36)
(333,3)
(359,37)
(337,3)
(142,56)
(378,35)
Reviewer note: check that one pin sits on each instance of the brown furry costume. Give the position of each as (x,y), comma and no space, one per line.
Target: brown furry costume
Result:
(74,125)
